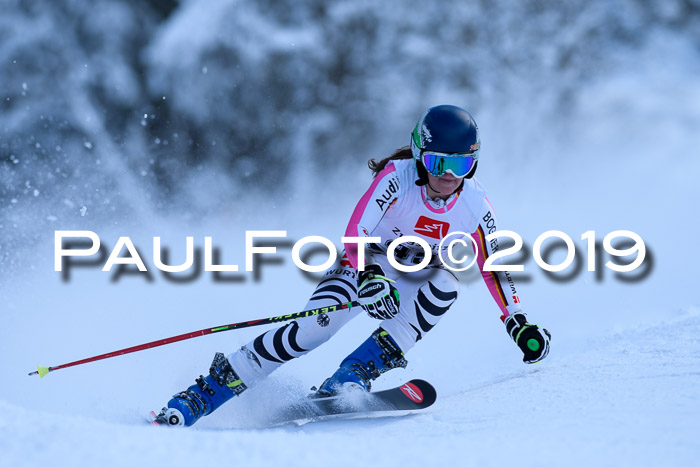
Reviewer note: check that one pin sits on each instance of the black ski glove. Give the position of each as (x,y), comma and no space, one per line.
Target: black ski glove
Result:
(376,293)
(532,339)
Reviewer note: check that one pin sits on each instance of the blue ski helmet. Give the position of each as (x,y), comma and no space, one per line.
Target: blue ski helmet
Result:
(445,139)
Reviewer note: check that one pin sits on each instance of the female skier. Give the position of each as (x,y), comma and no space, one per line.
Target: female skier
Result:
(426,190)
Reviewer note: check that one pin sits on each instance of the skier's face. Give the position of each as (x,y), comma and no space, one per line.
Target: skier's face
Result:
(445,184)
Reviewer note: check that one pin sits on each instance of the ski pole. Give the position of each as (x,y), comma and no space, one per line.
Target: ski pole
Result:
(42,371)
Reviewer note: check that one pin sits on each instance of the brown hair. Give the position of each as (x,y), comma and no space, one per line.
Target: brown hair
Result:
(377,166)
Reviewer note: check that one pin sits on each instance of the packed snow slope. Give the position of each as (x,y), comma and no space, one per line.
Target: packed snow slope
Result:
(628,398)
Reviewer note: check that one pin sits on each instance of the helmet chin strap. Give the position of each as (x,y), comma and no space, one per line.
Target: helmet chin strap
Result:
(461,185)
(422,174)
(431,187)
(472,171)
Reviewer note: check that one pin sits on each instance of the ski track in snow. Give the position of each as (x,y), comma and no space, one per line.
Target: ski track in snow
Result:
(629,398)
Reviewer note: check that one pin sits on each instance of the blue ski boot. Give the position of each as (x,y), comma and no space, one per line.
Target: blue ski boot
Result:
(375,356)
(201,399)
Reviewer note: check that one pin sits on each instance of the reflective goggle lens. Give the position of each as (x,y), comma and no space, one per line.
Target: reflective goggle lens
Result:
(439,164)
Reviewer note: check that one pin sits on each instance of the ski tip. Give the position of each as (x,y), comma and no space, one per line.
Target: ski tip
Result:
(42,371)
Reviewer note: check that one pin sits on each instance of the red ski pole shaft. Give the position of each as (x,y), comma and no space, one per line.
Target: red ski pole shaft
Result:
(42,371)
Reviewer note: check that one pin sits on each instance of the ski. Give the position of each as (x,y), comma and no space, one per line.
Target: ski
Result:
(416,394)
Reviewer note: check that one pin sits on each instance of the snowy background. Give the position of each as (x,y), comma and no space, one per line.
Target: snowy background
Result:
(193,118)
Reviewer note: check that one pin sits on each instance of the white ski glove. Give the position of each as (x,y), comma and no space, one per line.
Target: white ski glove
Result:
(376,293)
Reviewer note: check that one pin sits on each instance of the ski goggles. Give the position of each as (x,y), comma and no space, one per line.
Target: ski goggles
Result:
(458,164)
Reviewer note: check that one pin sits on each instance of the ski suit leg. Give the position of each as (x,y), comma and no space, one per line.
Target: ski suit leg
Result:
(270,350)
(426,296)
